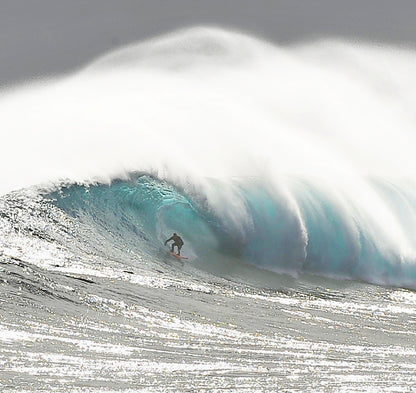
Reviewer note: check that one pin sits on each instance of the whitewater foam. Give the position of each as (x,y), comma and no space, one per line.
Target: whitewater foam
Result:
(270,111)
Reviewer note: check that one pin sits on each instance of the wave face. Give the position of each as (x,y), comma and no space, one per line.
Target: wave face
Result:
(323,236)
(295,159)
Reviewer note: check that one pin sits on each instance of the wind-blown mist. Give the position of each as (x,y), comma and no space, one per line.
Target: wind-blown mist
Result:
(304,154)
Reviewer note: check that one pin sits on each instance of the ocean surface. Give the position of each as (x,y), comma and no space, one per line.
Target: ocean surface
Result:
(288,171)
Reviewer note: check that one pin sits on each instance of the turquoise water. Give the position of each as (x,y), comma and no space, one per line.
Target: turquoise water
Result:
(143,212)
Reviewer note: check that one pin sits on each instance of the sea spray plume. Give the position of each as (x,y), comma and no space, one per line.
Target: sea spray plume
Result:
(186,49)
(322,127)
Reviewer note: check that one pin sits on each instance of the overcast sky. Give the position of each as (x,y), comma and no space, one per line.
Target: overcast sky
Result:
(44,37)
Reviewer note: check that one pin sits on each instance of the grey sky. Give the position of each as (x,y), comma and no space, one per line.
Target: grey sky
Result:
(44,37)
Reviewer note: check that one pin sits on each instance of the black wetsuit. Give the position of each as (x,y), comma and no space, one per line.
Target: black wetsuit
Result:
(177,241)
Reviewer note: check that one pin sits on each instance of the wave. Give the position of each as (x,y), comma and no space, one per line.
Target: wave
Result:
(329,239)
(295,159)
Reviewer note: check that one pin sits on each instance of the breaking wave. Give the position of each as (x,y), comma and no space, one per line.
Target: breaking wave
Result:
(294,159)
(324,235)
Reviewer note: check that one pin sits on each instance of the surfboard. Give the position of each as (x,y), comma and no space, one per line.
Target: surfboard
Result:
(177,256)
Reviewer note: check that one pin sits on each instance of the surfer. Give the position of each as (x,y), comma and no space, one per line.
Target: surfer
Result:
(177,241)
